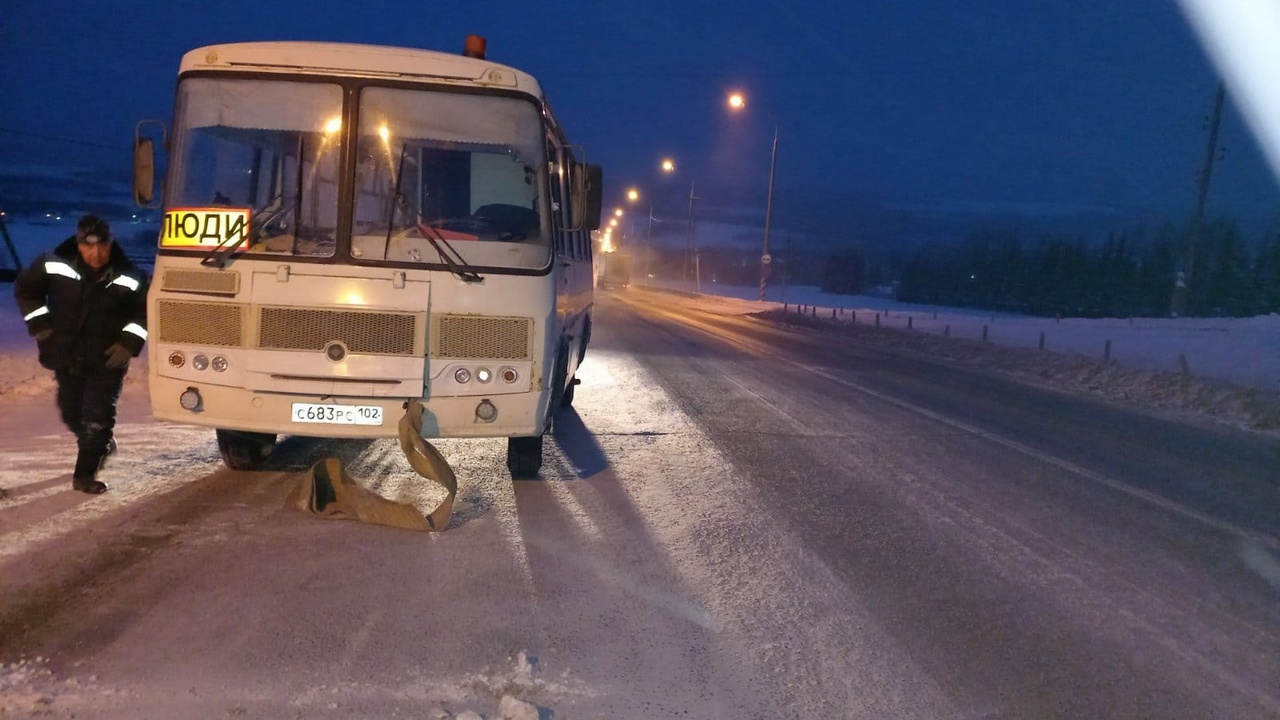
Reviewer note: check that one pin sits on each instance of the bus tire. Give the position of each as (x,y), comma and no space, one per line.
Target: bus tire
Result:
(524,456)
(244,450)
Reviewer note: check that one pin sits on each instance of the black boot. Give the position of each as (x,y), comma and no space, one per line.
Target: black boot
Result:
(84,478)
(111,450)
(89,485)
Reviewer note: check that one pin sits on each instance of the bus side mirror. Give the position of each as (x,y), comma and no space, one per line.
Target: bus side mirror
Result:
(144,172)
(144,164)
(592,195)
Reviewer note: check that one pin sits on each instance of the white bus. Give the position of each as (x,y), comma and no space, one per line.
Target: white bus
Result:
(349,228)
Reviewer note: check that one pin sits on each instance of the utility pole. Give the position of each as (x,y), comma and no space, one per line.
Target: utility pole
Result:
(1183,279)
(688,245)
(648,245)
(765,259)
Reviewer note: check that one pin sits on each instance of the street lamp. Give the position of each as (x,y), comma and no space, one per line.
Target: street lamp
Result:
(737,102)
(668,166)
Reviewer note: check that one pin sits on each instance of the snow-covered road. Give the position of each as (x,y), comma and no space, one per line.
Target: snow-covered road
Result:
(720,531)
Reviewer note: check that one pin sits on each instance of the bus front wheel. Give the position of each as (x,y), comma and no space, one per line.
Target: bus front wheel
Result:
(524,456)
(244,450)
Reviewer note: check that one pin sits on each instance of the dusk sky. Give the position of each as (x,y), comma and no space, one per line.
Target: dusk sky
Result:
(1061,104)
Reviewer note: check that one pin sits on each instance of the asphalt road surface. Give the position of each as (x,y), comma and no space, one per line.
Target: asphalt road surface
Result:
(737,519)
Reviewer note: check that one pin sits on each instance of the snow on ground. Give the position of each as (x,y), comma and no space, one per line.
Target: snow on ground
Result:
(1242,351)
(1231,373)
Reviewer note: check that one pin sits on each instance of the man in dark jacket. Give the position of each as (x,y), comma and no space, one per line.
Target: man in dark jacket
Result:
(86,306)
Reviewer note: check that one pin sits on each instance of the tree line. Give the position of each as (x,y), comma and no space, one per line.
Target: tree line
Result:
(1130,274)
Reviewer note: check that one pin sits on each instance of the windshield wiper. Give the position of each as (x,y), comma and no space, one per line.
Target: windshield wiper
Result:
(460,266)
(456,266)
(219,255)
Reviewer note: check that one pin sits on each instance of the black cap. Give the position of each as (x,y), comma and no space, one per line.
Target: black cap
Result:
(92,230)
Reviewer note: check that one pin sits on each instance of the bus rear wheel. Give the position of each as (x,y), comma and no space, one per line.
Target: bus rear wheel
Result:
(524,456)
(243,450)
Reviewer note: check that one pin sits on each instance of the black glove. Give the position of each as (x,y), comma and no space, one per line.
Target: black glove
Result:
(42,335)
(118,356)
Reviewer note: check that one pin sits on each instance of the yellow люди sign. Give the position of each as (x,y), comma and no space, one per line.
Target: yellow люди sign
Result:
(204,227)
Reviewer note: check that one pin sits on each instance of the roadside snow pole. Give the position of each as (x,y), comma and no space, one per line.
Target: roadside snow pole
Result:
(984,333)
(909,319)
(1106,352)
(1041,339)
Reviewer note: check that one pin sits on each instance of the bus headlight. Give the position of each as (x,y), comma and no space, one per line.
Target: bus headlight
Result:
(486,411)
(190,399)
(462,376)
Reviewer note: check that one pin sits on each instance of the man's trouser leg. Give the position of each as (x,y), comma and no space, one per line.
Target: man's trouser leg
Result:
(70,395)
(99,395)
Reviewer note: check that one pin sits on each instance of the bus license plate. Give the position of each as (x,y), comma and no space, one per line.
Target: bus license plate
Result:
(337,414)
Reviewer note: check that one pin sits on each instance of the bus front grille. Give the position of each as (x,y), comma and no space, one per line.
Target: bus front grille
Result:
(480,338)
(375,333)
(200,323)
(210,282)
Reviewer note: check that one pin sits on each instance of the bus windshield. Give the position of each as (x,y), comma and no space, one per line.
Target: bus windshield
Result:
(449,172)
(269,150)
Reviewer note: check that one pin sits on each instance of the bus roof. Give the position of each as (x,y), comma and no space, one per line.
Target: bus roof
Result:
(348,59)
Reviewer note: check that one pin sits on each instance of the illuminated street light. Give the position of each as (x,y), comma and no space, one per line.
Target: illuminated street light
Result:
(737,102)
(617,212)
(668,165)
(633,195)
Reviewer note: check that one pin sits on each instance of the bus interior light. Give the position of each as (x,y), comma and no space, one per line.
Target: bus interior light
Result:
(486,411)
(177,359)
(484,375)
(219,363)
(509,375)
(462,376)
(200,362)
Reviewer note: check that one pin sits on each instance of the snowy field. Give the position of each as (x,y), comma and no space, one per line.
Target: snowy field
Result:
(1241,351)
